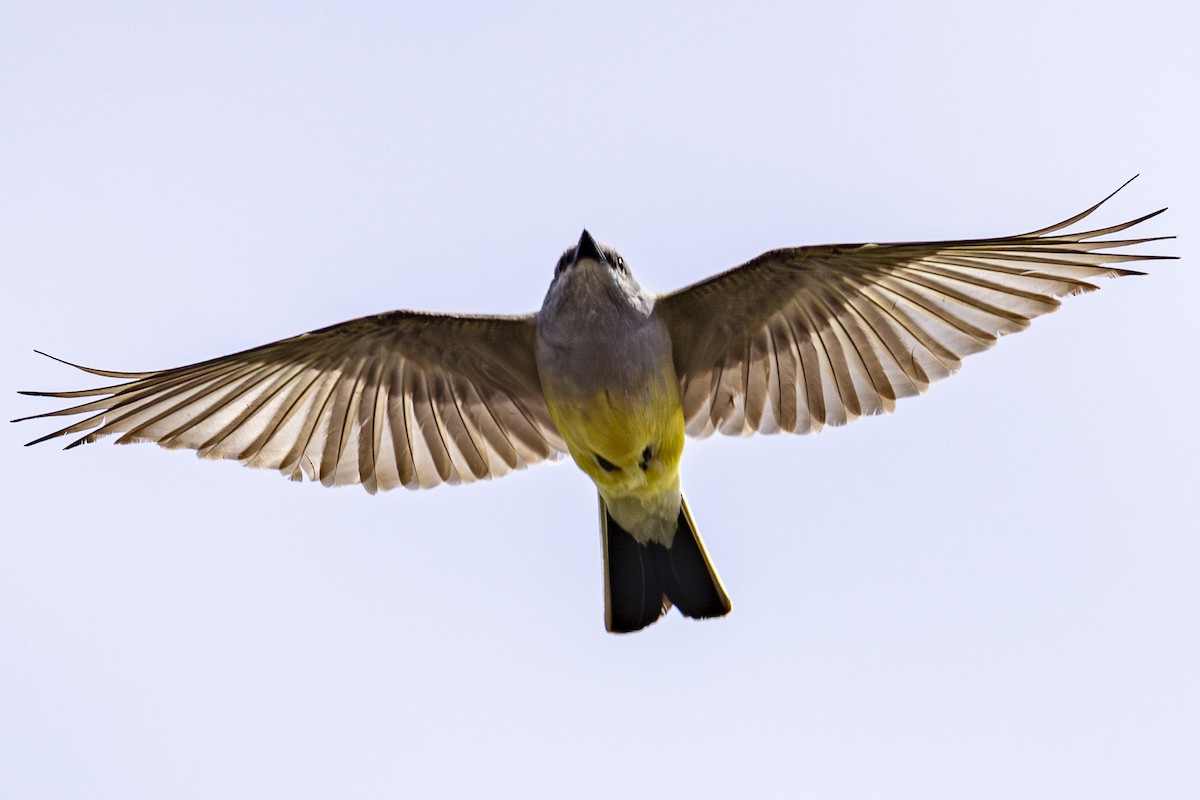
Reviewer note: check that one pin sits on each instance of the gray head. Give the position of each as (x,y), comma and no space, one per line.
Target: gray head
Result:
(589,251)
(592,275)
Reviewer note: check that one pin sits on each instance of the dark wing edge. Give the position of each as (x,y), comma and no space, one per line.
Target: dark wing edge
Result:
(397,399)
(805,337)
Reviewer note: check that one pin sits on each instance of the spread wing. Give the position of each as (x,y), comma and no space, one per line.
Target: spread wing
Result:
(803,337)
(398,399)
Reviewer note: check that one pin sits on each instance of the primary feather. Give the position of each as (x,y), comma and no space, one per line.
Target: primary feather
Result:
(398,399)
(805,337)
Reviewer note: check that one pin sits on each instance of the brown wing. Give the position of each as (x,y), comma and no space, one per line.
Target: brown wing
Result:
(804,337)
(398,399)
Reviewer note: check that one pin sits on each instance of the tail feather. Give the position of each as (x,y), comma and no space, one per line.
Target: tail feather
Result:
(642,582)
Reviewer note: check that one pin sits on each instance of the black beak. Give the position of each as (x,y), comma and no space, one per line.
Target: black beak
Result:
(587,249)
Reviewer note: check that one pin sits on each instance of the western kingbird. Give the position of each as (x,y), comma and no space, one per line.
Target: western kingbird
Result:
(790,341)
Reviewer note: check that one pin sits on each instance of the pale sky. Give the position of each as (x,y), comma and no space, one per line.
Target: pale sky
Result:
(992,593)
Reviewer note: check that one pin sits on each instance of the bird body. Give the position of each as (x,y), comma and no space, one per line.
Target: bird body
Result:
(604,359)
(605,363)
(614,376)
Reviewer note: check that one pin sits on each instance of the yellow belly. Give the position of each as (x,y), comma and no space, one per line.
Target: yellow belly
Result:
(620,426)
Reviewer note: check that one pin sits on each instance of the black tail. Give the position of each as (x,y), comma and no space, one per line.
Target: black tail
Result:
(641,582)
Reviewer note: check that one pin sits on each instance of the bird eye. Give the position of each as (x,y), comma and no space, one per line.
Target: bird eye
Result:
(645,462)
(606,465)
(621,264)
(564,261)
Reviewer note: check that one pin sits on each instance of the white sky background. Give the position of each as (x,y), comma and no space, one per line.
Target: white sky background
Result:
(993,593)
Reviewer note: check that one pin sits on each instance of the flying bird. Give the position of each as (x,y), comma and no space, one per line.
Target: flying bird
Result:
(614,376)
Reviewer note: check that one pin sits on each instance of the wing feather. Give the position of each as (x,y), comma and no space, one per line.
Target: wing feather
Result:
(398,399)
(803,337)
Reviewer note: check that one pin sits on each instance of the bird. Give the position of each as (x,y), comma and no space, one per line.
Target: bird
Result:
(613,377)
